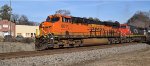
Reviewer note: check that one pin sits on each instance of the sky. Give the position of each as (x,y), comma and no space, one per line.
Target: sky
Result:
(115,10)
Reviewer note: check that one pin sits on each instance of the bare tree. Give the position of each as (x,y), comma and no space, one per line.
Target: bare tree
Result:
(15,18)
(23,20)
(63,12)
(140,19)
(96,19)
(91,18)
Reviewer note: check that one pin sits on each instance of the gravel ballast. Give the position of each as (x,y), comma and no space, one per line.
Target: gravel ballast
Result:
(6,47)
(70,58)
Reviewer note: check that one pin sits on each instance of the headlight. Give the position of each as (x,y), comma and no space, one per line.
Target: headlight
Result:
(52,38)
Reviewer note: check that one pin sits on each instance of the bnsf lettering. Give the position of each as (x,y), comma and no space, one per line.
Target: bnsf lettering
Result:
(64,26)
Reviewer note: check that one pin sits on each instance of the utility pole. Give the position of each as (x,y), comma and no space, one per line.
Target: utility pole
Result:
(10,17)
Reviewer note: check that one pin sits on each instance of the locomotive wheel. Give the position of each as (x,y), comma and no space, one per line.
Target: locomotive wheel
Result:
(61,44)
(40,44)
(76,43)
(128,40)
(109,40)
(80,43)
(71,43)
(113,41)
(121,41)
(117,40)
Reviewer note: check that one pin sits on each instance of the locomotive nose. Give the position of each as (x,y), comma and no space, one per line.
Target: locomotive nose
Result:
(46,24)
(45,28)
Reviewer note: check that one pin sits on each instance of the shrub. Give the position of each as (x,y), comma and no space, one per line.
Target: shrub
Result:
(27,40)
(1,39)
(9,38)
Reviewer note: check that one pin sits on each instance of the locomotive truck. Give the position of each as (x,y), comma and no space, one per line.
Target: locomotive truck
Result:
(61,30)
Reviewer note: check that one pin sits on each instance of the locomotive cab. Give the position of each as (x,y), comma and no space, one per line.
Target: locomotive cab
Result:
(46,37)
(53,18)
(124,29)
(46,27)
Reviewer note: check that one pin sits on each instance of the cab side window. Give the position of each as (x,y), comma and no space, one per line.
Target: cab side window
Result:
(55,19)
(63,19)
(48,19)
(66,19)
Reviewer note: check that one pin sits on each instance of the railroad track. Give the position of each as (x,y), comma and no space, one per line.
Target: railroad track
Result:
(56,51)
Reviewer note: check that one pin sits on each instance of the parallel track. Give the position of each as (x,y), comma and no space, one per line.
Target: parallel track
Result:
(56,51)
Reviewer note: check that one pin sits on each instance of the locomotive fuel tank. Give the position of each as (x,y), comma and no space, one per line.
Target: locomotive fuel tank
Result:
(95,41)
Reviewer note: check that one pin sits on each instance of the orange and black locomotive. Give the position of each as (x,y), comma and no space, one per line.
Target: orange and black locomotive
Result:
(61,30)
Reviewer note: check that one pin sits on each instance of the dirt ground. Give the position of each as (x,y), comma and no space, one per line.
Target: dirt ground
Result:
(137,58)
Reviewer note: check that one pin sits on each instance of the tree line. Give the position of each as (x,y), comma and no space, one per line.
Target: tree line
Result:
(140,19)
(6,14)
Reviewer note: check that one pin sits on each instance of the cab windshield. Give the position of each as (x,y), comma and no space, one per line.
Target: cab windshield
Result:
(53,19)
(123,26)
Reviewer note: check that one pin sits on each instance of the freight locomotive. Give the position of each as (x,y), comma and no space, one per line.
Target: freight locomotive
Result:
(61,30)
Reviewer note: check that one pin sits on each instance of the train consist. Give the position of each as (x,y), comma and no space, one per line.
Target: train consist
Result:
(61,30)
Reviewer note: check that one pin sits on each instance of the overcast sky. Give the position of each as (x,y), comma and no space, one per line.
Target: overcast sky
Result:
(38,10)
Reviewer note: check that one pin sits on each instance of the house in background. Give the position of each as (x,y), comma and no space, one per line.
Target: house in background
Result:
(7,27)
(26,30)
